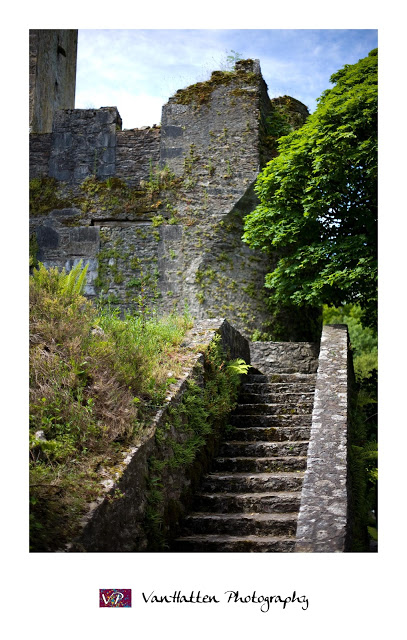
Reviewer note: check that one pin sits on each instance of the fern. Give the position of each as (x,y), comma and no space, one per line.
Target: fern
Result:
(239,366)
(73,283)
(80,283)
(67,285)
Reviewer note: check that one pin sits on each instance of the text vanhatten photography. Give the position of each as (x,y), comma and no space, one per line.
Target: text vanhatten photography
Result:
(232,597)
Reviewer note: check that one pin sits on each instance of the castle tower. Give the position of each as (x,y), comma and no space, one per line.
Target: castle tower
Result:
(52,75)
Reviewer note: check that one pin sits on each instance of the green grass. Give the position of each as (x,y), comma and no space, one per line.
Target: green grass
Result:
(95,378)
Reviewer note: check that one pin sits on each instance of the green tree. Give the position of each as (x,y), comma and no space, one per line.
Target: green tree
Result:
(363,341)
(318,201)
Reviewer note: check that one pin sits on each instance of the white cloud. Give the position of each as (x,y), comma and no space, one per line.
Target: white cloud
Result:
(124,67)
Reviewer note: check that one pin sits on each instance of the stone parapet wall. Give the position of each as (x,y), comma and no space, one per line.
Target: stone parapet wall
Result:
(84,144)
(323,517)
(137,154)
(284,357)
(118,523)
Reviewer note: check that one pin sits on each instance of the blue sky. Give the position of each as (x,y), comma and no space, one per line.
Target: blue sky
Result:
(137,70)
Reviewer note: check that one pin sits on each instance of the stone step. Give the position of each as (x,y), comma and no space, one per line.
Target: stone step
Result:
(261,465)
(276,398)
(254,377)
(269,434)
(277,409)
(262,502)
(262,420)
(241,524)
(280,377)
(251,498)
(278,387)
(220,544)
(263,449)
(256,482)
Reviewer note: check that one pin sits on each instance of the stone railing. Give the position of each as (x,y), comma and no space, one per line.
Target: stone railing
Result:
(323,517)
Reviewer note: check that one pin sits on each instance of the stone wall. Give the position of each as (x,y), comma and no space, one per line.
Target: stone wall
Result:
(84,144)
(284,357)
(52,75)
(211,136)
(137,153)
(169,201)
(63,244)
(117,522)
(323,517)
(40,152)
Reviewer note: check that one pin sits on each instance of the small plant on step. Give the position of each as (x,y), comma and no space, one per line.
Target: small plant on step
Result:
(239,366)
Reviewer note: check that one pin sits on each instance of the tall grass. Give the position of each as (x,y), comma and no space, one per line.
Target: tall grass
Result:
(94,379)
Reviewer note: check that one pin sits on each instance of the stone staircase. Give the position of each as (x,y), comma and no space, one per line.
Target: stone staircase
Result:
(250,500)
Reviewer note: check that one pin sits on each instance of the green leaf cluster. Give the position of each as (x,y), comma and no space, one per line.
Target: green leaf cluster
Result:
(318,200)
(363,340)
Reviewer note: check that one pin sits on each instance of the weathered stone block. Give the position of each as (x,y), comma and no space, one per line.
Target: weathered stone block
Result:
(47,238)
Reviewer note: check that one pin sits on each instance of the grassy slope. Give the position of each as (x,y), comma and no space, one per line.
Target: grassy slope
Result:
(94,380)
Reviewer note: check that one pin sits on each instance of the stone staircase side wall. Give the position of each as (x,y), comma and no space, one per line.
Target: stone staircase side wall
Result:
(284,357)
(117,522)
(323,517)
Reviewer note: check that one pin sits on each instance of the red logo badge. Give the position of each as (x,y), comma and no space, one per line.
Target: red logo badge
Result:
(114,597)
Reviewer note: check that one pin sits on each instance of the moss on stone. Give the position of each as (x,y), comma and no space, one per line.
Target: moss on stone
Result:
(200,93)
(46,195)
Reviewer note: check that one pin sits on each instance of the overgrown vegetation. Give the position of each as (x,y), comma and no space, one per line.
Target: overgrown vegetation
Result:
(94,380)
(112,195)
(116,197)
(189,435)
(46,195)
(200,93)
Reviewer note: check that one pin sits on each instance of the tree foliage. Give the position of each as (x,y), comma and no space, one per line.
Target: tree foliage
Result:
(363,342)
(318,200)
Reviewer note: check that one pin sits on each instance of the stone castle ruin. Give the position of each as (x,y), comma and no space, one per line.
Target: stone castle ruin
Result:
(156,212)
